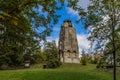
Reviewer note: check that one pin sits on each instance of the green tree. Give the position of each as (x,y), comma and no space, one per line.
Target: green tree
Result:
(23,24)
(96,58)
(103,17)
(51,51)
(102,20)
(84,58)
(108,56)
(38,57)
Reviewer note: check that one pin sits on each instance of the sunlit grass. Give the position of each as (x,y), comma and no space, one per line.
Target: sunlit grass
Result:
(65,72)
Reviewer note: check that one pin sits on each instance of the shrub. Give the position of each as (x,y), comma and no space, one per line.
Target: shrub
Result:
(53,63)
(83,60)
(4,67)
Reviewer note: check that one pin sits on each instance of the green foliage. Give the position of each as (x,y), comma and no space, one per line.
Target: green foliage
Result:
(51,51)
(53,63)
(89,58)
(96,58)
(23,24)
(101,64)
(4,67)
(84,58)
(38,57)
(101,19)
(102,22)
(107,57)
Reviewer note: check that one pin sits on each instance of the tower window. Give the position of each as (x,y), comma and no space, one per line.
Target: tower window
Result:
(74,51)
(68,50)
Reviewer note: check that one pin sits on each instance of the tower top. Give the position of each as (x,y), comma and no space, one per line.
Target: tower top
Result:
(68,21)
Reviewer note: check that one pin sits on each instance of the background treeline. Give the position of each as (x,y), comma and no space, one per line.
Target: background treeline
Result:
(47,57)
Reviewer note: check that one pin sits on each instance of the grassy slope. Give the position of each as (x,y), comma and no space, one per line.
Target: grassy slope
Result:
(65,72)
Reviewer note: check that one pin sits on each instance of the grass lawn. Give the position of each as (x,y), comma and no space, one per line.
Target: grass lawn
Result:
(65,72)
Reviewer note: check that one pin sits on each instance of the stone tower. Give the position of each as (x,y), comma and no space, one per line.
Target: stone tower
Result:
(68,44)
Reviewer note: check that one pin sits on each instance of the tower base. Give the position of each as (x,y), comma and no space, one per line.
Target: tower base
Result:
(70,60)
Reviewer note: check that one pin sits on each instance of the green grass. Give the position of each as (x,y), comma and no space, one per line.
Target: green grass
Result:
(65,72)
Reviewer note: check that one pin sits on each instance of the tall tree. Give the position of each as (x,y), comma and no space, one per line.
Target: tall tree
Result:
(102,20)
(103,17)
(83,58)
(23,23)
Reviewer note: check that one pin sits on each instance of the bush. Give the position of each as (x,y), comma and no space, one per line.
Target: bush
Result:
(101,63)
(83,60)
(53,63)
(4,67)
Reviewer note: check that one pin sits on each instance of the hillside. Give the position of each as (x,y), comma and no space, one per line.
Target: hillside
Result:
(65,72)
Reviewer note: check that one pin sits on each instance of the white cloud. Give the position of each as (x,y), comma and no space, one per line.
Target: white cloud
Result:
(50,39)
(83,3)
(72,12)
(83,43)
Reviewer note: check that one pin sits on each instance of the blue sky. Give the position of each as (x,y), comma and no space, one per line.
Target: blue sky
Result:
(68,13)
